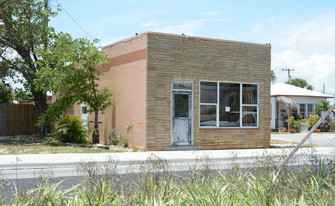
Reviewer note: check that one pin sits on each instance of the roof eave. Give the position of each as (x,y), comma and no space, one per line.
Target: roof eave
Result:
(287,95)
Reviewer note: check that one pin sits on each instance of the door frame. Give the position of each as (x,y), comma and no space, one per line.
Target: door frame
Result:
(191,112)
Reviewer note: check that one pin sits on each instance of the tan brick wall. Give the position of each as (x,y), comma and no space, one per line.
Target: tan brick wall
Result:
(174,57)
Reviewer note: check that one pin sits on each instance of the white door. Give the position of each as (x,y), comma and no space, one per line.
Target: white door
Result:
(83,112)
(181,118)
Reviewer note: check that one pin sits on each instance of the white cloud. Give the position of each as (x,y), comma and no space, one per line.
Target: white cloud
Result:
(211,13)
(317,68)
(316,34)
(188,28)
(151,23)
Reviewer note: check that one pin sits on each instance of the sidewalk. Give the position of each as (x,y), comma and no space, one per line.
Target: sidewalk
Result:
(63,165)
(319,139)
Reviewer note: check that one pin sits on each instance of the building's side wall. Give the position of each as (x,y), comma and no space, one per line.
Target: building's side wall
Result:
(172,57)
(125,76)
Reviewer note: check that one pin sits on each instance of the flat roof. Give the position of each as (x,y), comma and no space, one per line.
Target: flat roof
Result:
(185,36)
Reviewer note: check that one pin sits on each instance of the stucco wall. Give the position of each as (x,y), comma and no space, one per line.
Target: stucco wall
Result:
(176,57)
(125,76)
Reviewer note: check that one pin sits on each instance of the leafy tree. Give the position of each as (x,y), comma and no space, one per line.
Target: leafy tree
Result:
(322,106)
(300,83)
(273,76)
(33,54)
(23,30)
(74,76)
(6,94)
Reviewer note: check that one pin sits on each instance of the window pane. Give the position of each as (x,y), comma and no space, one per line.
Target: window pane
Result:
(182,85)
(231,119)
(294,111)
(229,105)
(208,92)
(181,102)
(249,94)
(207,115)
(249,116)
(84,110)
(302,110)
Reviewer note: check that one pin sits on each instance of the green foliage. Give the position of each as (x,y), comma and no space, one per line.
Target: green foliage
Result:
(123,140)
(322,106)
(74,75)
(157,185)
(300,83)
(24,31)
(312,120)
(71,129)
(6,95)
(117,139)
(128,127)
(112,136)
(273,76)
(292,122)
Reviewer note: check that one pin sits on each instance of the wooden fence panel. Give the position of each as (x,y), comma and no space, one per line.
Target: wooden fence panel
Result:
(23,119)
(4,119)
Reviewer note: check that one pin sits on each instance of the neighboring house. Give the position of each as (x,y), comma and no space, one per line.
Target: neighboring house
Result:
(304,99)
(183,92)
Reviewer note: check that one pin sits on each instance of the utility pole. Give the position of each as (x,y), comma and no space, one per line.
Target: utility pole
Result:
(324,88)
(288,72)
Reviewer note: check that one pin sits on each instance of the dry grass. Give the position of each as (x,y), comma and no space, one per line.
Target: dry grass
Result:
(28,144)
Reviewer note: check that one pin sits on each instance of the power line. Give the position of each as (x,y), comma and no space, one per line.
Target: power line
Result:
(288,72)
(77,22)
(323,79)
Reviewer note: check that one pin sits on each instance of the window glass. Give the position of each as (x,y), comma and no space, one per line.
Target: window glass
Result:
(208,92)
(302,110)
(181,102)
(182,85)
(249,94)
(294,111)
(249,116)
(84,110)
(207,115)
(229,105)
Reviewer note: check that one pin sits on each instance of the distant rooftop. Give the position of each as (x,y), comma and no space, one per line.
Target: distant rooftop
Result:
(283,89)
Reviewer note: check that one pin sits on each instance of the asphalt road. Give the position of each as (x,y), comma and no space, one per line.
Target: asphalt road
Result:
(25,171)
(319,139)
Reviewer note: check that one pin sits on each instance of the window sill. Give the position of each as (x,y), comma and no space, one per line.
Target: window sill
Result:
(228,128)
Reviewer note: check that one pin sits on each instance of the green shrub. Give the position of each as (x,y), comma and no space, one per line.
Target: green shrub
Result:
(123,140)
(312,120)
(117,139)
(111,135)
(71,129)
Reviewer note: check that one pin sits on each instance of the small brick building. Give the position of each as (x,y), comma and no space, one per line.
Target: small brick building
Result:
(182,91)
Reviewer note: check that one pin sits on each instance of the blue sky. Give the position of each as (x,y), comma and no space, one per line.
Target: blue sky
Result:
(302,32)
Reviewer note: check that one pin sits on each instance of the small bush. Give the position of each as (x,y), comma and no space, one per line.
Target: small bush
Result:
(312,120)
(111,135)
(71,129)
(123,140)
(117,139)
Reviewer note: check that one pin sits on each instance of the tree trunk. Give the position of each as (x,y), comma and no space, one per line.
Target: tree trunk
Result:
(41,103)
(95,135)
